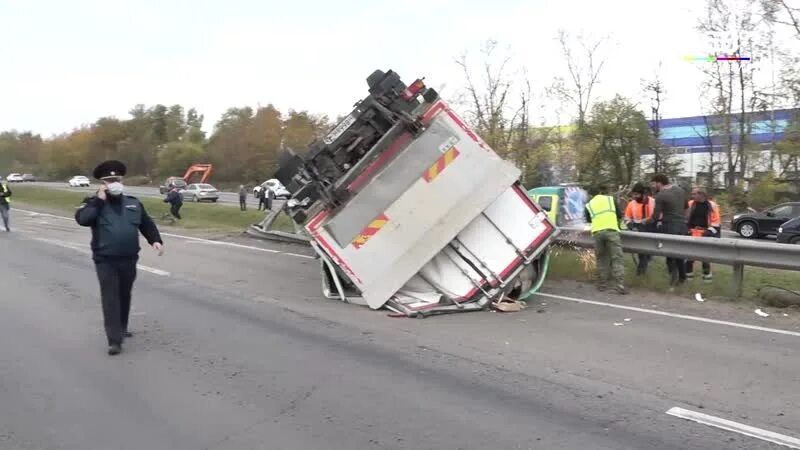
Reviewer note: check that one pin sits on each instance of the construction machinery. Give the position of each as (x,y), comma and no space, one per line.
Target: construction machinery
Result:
(408,209)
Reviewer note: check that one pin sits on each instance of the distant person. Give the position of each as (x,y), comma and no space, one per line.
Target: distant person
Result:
(116,220)
(262,198)
(242,198)
(704,221)
(670,211)
(5,203)
(605,215)
(638,211)
(175,200)
(269,197)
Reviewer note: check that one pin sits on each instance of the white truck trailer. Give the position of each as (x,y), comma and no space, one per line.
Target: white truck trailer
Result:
(411,211)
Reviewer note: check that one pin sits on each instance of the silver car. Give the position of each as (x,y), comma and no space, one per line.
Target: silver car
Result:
(200,193)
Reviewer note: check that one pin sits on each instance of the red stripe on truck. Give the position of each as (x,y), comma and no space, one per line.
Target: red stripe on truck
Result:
(313,228)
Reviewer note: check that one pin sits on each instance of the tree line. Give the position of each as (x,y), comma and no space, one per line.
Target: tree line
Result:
(160,141)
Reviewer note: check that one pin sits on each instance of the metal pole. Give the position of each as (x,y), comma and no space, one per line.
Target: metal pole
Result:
(738,279)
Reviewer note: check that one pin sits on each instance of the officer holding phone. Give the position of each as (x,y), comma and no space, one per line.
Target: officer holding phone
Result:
(116,220)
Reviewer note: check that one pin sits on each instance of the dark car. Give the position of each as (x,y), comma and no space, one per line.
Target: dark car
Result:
(789,232)
(760,224)
(178,182)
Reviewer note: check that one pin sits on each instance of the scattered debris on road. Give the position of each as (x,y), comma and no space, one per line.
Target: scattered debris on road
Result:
(699,297)
(761,313)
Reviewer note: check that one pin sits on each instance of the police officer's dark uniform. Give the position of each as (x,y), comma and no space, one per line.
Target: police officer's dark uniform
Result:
(116,223)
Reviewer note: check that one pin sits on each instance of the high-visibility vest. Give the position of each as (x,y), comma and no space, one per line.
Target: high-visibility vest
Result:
(5,189)
(713,213)
(639,212)
(603,211)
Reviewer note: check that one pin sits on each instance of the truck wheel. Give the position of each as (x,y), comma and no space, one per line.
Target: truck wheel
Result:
(748,229)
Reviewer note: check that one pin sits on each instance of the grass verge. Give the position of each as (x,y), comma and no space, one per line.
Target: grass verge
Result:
(196,216)
(568,264)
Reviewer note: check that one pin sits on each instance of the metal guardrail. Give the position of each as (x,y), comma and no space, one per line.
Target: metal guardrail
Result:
(732,252)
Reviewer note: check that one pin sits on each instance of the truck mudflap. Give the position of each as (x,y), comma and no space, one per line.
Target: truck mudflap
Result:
(497,255)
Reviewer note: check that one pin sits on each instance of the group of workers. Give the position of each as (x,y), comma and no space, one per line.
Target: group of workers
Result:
(264,194)
(669,211)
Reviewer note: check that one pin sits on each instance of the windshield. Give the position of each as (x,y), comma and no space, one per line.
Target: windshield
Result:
(205,186)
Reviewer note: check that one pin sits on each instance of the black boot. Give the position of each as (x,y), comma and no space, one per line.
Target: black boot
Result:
(114,349)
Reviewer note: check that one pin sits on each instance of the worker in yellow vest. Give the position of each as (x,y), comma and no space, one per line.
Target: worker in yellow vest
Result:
(5,200)
(605,213)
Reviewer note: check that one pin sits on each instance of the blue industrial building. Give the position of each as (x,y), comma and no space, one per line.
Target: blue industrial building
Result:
(693,139)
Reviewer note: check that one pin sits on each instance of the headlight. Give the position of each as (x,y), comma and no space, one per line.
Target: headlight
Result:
(736,216)
(780,229)
(292,203)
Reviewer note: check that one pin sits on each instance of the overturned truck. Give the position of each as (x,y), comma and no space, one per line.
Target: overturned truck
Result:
(410,210)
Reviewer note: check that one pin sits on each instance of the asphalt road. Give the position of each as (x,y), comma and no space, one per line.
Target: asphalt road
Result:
(146,191)
(235,349)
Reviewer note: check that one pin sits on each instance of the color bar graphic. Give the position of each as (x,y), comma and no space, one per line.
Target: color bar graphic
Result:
(716,58)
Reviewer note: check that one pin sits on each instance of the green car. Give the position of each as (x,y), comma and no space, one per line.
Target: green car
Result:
(564,204)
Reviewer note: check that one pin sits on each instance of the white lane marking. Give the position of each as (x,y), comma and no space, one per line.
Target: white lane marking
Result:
(673,315)
(72,246)
(195,239)
(736,427)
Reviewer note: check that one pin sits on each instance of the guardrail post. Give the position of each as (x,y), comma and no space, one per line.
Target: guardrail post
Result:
(738,279)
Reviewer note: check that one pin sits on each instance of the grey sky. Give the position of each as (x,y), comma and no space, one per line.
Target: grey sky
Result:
(66,63)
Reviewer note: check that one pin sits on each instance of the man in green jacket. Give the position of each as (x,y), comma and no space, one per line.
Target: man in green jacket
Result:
(605,213)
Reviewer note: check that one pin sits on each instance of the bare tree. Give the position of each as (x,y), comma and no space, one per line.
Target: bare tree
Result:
(779,12)
(731,29)
(662,160)
(584,66)
(489,100)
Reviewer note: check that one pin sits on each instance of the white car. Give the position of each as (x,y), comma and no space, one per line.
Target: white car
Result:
(14,178)
(79,181)
(280,191)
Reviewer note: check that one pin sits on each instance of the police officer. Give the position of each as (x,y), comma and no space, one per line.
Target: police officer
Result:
(605,214)
(116,220)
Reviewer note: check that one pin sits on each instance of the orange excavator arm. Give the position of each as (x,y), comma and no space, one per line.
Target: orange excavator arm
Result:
(204,169)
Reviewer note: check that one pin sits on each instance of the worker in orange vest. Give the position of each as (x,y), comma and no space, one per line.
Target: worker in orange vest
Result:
(704,221)
(639,209)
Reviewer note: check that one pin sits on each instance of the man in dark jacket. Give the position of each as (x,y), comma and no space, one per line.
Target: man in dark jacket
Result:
(262,198)
(175,200)
(5,193)
(242,197)
(116,220)
(670,211)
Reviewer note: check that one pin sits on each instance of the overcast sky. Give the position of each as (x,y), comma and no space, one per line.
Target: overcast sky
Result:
(66,63)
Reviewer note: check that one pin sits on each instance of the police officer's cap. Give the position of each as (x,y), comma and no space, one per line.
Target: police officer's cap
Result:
(107,169)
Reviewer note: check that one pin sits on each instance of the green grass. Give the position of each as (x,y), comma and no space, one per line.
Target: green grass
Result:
(566,264)
(216,217)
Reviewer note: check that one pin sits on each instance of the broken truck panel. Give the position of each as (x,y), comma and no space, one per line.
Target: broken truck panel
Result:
(409,208)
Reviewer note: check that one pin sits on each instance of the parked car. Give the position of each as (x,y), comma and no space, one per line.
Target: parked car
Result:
(280,191)
(200,193)
(789,232)
(27,177)
(79,181)
(14,178)
(767,222)
(174,181)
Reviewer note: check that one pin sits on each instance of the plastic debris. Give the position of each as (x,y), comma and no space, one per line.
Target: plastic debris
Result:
(618,324)
(628,320)
(785,315)
(699,297)
(761,313)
